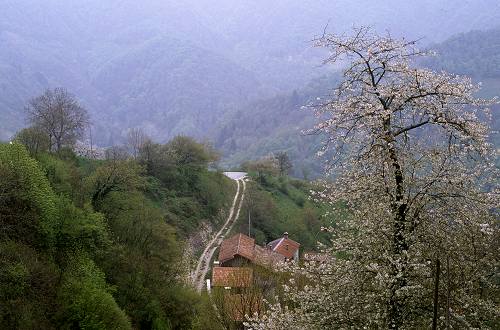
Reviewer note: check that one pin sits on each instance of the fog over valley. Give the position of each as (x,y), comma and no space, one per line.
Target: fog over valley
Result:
(184,67)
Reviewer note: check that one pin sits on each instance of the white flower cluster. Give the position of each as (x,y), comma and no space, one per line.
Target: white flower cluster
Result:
(413,190)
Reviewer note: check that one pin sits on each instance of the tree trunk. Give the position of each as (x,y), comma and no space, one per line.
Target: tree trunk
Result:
(399,241)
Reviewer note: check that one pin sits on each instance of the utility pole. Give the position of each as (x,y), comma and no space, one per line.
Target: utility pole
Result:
(448,292)
(91,147)
(249,224)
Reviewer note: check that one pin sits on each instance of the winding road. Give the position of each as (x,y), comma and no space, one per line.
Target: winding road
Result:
(204,262)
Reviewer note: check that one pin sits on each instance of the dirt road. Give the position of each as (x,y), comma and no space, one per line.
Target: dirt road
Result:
(204,262)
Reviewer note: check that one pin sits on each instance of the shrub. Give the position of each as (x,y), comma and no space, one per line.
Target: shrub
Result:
(86,298)
(28,205)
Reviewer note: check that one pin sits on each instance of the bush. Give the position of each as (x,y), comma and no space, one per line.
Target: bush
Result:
(299,199)
(34,139)
(81,229)
(28,285)
(27,208)
(63,176)
(283,187)
(86,299)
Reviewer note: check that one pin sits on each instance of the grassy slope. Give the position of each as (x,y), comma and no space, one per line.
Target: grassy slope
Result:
(279,204)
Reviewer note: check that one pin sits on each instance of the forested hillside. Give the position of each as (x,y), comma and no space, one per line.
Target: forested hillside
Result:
(273,125)
(475,54)
(276,124)
(101,244)
(175,67)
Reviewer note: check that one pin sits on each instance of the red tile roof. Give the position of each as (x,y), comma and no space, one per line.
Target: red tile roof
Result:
(235,277)
(264,256)
(245,247)
(285,247)
(237,245)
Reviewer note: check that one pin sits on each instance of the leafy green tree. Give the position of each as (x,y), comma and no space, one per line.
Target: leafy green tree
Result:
(188,152)
(159,162)
(86,298)
(34,138)
(82,230)
(27,203)
(62,173)
(283,162)
(113,176)
(263,167)
(28,287)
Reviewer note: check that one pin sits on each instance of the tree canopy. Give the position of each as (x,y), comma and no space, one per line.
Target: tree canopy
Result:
(412,162)
(57,113)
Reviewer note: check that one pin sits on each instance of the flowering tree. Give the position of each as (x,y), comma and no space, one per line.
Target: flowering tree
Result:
(412,163)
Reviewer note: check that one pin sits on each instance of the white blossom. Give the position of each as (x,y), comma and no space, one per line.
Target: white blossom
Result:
(414,173)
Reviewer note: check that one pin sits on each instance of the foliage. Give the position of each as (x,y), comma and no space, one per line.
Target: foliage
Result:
(28,285)
(34,139)
(113,176)
(28,209)
(264,167)
(81,229)
(62,174)
(86,298)
(64,265)
(284,163)
(412,163)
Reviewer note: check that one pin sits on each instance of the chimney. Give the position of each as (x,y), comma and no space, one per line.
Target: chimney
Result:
(285,235)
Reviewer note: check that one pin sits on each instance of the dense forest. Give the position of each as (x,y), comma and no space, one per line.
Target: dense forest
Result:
(101,244)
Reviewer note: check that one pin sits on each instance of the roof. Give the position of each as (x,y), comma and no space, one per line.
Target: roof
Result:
(285,247)
(239,244)
(235,277)
(266,257)
(245,246)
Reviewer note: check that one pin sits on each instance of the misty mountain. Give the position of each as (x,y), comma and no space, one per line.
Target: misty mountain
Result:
(276,124)
(169,87)
(176,67)
(475,54)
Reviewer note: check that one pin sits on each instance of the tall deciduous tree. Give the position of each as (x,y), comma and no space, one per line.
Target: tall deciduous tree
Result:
(284,163)
(411,162)
(59,115)
(264,166)
(136,138)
